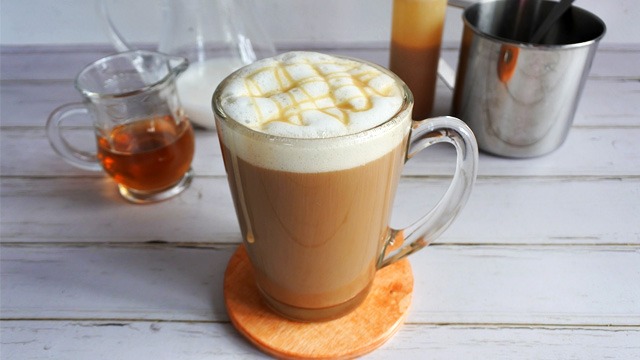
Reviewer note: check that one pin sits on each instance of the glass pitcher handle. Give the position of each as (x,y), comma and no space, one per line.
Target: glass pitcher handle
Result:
(425,133)
(114,35)
(75,157)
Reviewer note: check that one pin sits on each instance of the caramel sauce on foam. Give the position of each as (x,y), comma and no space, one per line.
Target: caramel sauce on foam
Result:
(310,95)
(318,99)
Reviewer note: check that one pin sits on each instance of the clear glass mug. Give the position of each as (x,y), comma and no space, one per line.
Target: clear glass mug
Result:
(316,238)
(144,141)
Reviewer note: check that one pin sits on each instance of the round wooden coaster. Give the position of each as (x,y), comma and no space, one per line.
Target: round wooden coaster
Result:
(376,320)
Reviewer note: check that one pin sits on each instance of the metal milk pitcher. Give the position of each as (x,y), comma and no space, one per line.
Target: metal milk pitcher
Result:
(216,36)
(520,97)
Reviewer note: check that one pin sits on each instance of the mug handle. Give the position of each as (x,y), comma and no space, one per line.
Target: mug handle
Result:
(78,158)
(444,129)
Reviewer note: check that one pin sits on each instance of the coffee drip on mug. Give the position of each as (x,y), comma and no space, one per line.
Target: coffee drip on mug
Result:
(216,36)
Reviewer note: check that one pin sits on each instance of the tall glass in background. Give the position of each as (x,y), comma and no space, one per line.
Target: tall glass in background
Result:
(416,36)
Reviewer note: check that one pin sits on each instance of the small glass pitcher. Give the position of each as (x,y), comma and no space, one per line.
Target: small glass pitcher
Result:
(144,141)
(216,36)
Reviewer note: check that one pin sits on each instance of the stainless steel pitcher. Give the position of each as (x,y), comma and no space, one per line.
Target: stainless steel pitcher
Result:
(518,97)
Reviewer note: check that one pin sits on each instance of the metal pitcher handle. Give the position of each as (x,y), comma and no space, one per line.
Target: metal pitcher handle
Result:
(445,72)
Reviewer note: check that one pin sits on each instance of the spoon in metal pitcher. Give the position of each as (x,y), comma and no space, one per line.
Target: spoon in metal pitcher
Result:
(555,14)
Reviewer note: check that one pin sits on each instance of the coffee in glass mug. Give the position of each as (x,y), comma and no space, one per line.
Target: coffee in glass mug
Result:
(314,146)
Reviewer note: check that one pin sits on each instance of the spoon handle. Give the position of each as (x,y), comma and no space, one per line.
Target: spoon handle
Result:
(555,14)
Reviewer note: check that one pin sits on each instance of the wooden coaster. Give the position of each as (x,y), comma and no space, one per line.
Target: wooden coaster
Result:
(365,329)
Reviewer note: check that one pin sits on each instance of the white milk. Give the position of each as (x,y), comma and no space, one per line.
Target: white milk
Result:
(197,84)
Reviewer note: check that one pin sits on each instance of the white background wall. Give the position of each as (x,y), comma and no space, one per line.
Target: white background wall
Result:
(287,21)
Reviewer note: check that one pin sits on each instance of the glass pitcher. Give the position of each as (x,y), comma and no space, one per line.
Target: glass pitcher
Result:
(216,36)
(143,140)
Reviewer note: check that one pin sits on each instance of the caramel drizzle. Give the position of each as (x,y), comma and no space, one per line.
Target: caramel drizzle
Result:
(300,100)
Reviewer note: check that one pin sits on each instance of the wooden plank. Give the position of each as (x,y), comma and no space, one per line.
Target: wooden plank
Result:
(586,152)
(122,340)
(104,282)
(53,62)
(94,211)
(533,211)
(603,103)
(609,103)
(589,152)
(507,211)
(528,285)
(38,159)
(544,285)
(30,103)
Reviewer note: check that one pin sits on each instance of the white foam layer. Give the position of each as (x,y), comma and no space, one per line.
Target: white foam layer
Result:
(320,138)
(316,155)
(310,95)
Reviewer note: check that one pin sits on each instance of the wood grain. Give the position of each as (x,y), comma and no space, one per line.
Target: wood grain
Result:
(529,210)
(453,284)
(542,263)
(588,151)
(135,340)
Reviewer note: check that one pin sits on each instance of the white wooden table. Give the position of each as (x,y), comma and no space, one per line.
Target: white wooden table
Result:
(543,263)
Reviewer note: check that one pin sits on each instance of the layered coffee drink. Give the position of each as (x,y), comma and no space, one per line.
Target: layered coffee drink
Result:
(313,147)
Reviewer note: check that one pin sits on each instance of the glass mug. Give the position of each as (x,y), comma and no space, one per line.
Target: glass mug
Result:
(314,221)
(144,141)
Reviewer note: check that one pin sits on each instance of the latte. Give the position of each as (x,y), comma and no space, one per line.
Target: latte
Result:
(313,161)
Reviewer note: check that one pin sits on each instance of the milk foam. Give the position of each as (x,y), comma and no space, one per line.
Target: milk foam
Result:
(311,95)
(316,99)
